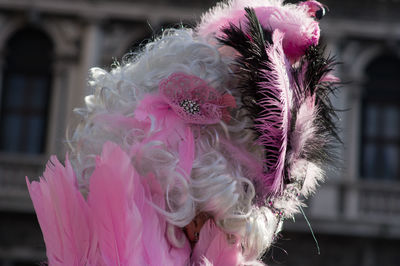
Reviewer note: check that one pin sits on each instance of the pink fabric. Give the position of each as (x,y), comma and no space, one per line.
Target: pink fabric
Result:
(115,226)
(180,87)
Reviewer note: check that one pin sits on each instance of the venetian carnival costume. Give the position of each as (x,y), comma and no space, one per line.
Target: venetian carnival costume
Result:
(195,150)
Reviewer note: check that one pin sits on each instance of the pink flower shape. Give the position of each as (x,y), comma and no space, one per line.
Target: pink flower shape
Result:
(194,101)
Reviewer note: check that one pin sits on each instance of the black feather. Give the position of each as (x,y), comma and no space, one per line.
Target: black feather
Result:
(313,68)
(250,42)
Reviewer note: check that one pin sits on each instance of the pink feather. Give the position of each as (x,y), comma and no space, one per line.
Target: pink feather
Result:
(118,223)
(300,28)
(274,122)
(63,216)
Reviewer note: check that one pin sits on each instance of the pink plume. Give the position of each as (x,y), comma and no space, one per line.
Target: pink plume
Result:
(274,122)
(297,22)
(118,223)
(63,216)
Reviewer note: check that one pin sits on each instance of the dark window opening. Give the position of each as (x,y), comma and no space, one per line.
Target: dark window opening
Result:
(380,141)
(25,92)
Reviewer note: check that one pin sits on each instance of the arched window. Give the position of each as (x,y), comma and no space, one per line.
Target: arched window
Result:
(380,152)
(25,92)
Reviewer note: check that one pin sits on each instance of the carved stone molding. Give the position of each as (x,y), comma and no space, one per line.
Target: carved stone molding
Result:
(8,25)
(66,34)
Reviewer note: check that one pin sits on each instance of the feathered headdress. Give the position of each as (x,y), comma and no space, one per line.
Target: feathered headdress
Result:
(230,122)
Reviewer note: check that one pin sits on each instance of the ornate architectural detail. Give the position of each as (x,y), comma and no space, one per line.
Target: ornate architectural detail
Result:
(66,34)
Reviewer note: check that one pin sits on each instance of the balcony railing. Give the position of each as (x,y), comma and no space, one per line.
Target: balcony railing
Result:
(358,207)
(379,202)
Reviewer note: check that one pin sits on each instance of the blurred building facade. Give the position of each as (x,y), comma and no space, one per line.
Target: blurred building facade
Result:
(47,46)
